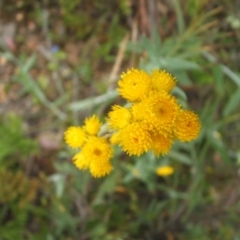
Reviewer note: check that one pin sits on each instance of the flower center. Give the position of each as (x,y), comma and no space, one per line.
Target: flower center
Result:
(97,152)
(135,140)
(162,112)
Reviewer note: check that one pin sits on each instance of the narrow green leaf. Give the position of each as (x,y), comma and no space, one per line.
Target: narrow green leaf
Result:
(180,157)
(232,104)
(180,17)
(180,93)
(93,101)
(233,76)
(29,63)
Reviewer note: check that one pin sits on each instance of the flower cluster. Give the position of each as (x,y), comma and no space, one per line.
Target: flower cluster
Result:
(154,118)
(95,152)
(152,121)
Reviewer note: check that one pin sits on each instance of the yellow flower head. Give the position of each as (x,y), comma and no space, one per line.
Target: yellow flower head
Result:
(92,125)
(99,151)
(135,138)
(119,117)
(164,171)
(134,85)
(187,126)
(75,137)
(161,110)
(95,154)
(161,144)
(162,80)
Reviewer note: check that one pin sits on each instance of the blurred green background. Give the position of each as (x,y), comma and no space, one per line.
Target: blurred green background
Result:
(59,63)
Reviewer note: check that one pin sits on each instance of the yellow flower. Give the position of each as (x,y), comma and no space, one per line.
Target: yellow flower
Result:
(162,80)
(160,110)
(187,126)
(75,137)
(95,155)
(134,85)
(92,125)
(99,151)
(161,144)
(135,138)
(164,171)
(119,117)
